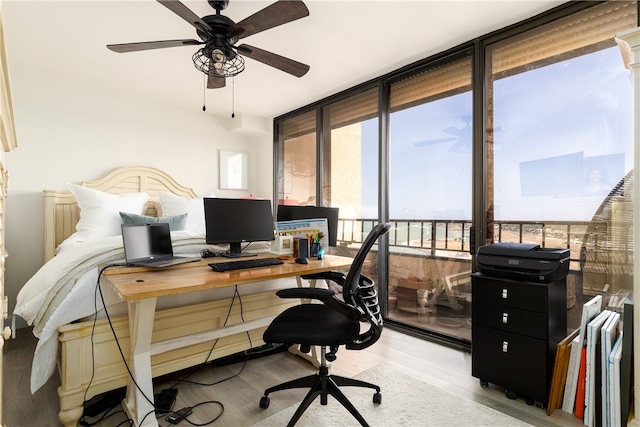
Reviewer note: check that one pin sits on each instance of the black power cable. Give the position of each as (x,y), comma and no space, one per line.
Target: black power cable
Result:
(129,422)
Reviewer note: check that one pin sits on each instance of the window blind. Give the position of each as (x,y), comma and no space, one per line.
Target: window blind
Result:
(354,109)
(296,126)
(589,30)
(442,81)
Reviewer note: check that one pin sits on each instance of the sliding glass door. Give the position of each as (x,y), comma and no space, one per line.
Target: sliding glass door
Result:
(430,184)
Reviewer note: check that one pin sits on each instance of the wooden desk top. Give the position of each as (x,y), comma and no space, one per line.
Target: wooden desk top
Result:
(135,283)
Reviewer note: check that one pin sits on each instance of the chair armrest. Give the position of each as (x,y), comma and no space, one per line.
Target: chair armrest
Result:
(335,276)
(313,293)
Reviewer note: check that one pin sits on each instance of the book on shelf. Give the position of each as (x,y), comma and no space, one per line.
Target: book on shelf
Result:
(560,368)
(610,331)
(626,363)
(592,402)
(581,384)
(615,400)
(590,310)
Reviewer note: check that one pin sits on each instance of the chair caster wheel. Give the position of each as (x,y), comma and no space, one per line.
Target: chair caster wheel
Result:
(264,402)
(377,398)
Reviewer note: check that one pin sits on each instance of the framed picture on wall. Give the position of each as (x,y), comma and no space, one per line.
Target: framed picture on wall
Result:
(234,170)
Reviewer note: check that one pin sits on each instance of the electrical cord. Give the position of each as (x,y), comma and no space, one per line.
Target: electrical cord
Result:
(124,360)
(207,403)
(186,379)
(215,342)
(129,422)
(207,253)
(82,420)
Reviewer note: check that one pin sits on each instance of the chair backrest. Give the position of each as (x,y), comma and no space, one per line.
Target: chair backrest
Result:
(360,291)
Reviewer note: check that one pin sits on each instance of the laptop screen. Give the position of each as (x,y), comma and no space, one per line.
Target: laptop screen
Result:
(146,241)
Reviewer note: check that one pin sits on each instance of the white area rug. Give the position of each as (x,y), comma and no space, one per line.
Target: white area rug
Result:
(406,402)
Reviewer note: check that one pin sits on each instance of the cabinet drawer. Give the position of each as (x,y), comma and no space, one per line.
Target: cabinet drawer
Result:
(509,360)
(524,322)
(508,293)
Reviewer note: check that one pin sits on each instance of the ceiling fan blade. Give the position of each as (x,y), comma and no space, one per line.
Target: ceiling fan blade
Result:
(215,82)
(287,65)
(185,13)
(134,47)
(278,13)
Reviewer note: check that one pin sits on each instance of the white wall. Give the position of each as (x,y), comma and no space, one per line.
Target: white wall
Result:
(70,132)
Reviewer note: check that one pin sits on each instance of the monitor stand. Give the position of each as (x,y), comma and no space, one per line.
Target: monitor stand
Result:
(235,251)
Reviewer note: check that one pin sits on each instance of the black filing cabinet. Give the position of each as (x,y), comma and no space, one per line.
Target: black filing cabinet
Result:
(516,326)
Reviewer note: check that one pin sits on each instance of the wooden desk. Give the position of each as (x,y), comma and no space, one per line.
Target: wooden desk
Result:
(140,288)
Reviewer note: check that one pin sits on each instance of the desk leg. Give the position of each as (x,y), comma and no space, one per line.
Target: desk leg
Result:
(312,357)
(139,399)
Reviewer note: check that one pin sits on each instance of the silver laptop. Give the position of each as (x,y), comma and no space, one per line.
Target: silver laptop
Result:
(149,245)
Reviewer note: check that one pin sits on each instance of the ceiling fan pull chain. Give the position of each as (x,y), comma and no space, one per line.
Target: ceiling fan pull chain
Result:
(204,93)
(233,97)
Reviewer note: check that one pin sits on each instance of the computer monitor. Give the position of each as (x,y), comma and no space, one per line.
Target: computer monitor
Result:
(290,213)
(237,221)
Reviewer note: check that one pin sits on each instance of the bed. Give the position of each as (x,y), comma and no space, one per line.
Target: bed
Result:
(61,301)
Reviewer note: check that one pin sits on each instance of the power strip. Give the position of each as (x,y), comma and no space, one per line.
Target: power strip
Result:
(107,401)
(165,400)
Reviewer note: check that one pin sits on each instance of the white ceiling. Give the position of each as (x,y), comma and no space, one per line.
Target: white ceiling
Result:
(344,42)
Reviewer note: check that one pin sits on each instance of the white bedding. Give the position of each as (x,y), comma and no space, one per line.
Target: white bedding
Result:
(64,290)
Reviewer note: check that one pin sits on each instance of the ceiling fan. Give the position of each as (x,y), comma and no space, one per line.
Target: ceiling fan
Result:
(221,57)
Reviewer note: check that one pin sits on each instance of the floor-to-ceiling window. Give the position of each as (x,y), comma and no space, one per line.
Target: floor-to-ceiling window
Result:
(350,162)
(560,150)
(524,135)
(430,184)
(296,171)
(337,167)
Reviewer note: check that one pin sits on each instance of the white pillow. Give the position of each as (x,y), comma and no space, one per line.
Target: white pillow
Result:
(100,212)
(194,208)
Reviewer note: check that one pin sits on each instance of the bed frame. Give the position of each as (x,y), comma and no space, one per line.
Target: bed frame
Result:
(78,361)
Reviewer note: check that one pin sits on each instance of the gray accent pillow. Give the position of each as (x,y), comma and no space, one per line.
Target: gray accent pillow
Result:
(176,222)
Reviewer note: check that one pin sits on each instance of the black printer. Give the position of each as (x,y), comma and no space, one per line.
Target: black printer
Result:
(524,261)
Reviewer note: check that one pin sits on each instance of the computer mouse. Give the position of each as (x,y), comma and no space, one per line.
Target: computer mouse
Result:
(302,261)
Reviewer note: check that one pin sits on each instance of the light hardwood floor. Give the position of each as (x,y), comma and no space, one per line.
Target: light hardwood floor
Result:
(449,368)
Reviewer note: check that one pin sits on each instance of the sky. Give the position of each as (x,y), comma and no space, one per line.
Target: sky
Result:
(563,137)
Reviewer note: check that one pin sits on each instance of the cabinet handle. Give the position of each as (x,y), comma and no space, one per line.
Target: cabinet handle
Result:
(505,317)
(505,346)
(504,294)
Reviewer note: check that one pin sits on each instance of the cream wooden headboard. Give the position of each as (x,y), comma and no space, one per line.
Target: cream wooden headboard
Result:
(61,212)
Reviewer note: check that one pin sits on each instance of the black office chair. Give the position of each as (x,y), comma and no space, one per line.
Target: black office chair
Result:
(331,324)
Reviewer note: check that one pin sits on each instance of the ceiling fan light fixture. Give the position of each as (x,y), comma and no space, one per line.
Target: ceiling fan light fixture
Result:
(217,64)
(218,56)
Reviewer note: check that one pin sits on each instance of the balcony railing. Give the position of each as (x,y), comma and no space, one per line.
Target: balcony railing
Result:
(451,237)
